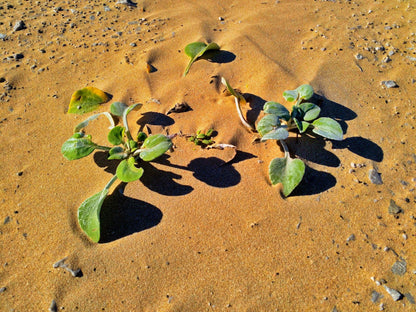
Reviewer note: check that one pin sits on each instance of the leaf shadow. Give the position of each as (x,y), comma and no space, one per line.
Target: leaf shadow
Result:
(102,161)
(362,147)
(312,148)
(218,56)
(212,170)
(122,216)
(256,106)
(154,119)
(163,182)
(314,182)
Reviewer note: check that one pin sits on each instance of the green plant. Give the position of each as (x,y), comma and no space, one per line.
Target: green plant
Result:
(277,123)
(126,149)
(203,139)
(195,50)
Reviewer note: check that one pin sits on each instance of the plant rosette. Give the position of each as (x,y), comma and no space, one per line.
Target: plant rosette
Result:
(277,123)
(128,150)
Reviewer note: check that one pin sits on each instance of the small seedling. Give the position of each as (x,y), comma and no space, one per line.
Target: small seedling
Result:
(195,50)
(130,151)
(203,139)
(277,122)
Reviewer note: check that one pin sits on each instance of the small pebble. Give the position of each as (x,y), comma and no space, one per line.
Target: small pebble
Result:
(53,307)
(351,238)
(3,37)
(394,208)
(359,57)
(3,289)
(399,268)
(374,177)
(396,295)
(390,84)
(19,25)
(375,296)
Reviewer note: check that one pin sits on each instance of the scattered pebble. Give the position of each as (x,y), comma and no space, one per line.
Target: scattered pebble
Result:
(61,264)
(3,37)
(359,56)
(396,295)
(399,268)
(53,307)
(351,238)
(394,209)
(19,25)
(375,176)
(390,84)
(410,298)
(3,289)
(375,296)
(6,220)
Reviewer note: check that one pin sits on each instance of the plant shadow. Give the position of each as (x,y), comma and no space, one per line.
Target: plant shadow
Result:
(154,119)
(362,147)
(218,56)
(256,104)
(163,182)
(122,216)
(314,182)
(212,170)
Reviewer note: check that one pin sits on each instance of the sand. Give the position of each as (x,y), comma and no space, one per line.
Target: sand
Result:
(204,230)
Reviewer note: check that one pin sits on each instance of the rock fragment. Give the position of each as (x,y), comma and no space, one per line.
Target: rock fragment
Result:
(399,268)
(396,295)
(394,209)
(19,25)
(375,177)
(390,84)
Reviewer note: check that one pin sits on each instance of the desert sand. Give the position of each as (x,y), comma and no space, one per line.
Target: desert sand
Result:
(204,230)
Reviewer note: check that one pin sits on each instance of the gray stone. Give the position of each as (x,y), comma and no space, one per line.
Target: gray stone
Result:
(390,84)
(396,295)
(19,25)
(375,177)
(399,268)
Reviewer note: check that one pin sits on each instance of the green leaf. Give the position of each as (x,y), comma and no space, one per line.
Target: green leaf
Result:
(310,111)
(328,128)
(117,152)
(290,95)
(197,49)
(127,171)
(86,100)
(85,123)
(301,125)
(116,135)
(155,146)
(280,133)
(89,215)
(276,109)
(267,124)
(305,91)
(78,146)
(117,108)
(287,171)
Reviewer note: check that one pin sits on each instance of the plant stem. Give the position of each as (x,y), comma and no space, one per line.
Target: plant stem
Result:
(113,179)
(103,148)
(240,114)
(285,148)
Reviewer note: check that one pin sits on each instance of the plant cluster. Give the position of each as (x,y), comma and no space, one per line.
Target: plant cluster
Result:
(277,123)
(203,139)
(131,151)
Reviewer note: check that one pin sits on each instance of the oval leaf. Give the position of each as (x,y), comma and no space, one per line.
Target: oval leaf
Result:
(305,91)
(86,100)
(276,109)
(328,128)
(267,124)
(127,171)
(310,110)
(117,152)
(78,146)
(290,95)
(197,49)
(280,133)
(117,108)
(287,171)
(155,146)
(89,215)
(116,135)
